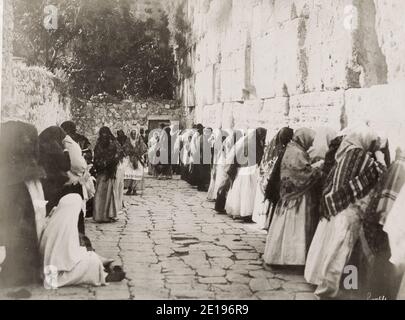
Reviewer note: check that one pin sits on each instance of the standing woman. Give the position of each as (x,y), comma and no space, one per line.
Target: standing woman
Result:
(22,205)
(248,153)
(345,198)
(272,152)
(382,275)
(292,228)
(185,154)
(108,155)
(395,229)
(165,154)
(227,170)
(134,149)
(218,154)
(153,147)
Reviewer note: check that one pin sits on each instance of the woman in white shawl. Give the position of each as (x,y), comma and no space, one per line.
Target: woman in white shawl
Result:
(185,154)
(217,140)
(69,263)
(153,147)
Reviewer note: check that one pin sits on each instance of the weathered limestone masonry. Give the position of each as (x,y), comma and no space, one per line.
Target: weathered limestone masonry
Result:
(297,62)
(29,94)
(125,115)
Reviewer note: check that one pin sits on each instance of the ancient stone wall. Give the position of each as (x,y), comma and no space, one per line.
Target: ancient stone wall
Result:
(297,62)
(29,93)
(125,115)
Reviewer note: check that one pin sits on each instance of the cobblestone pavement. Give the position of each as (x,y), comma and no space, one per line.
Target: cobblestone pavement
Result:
(173,245)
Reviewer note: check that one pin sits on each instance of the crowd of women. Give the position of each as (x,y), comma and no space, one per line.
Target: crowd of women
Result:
(50,182)
(327,199)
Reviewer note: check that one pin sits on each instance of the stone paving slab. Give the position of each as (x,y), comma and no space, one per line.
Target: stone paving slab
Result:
(173,245)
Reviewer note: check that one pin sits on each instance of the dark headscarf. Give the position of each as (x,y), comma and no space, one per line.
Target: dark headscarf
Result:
(56,163)
(18,164)
(107,153)
(69,127)
(53,159)
(135,149)
(19,153)
(260,144)
(121,137)
(276,153)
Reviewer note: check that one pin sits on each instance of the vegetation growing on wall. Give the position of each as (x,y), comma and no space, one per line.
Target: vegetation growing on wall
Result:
(100,46)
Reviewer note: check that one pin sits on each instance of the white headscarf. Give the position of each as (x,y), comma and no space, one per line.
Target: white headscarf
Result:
(361,137)
(320,146)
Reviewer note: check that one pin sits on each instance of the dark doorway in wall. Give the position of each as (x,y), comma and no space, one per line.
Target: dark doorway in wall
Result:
(155,124)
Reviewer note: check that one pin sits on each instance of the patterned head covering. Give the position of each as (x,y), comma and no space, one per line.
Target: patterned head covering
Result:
(362,137)
(304,137)
(322,141)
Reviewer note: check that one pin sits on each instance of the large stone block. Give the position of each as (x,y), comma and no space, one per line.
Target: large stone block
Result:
(212,116)
(317,109)
(246,115)
(274,114)
(227,115)
(382,107)
(390,28)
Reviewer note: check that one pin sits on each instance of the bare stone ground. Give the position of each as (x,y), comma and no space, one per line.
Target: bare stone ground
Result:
(173,245)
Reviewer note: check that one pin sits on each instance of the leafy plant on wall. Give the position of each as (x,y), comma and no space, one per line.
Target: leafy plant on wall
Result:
(100,46)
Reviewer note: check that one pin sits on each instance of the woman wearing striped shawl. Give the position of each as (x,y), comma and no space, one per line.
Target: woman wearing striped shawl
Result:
(345,198)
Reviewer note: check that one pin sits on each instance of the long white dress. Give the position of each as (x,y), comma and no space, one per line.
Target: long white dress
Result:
(131,173)
(69,263)
(332,247)
(241,197)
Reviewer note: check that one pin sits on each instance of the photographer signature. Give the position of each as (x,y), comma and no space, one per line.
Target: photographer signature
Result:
(381,298)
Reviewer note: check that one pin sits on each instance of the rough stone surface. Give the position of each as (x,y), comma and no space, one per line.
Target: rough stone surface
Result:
(90,116)
(294,62)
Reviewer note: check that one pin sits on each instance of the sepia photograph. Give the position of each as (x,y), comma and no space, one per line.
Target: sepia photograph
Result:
(226,151)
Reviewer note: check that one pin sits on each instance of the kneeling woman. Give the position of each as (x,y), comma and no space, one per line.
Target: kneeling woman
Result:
(60,248)
(295,217)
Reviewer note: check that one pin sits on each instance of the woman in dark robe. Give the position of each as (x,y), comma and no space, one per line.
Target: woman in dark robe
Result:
(108,155)
(121,137)
(20,226)
(204,167)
